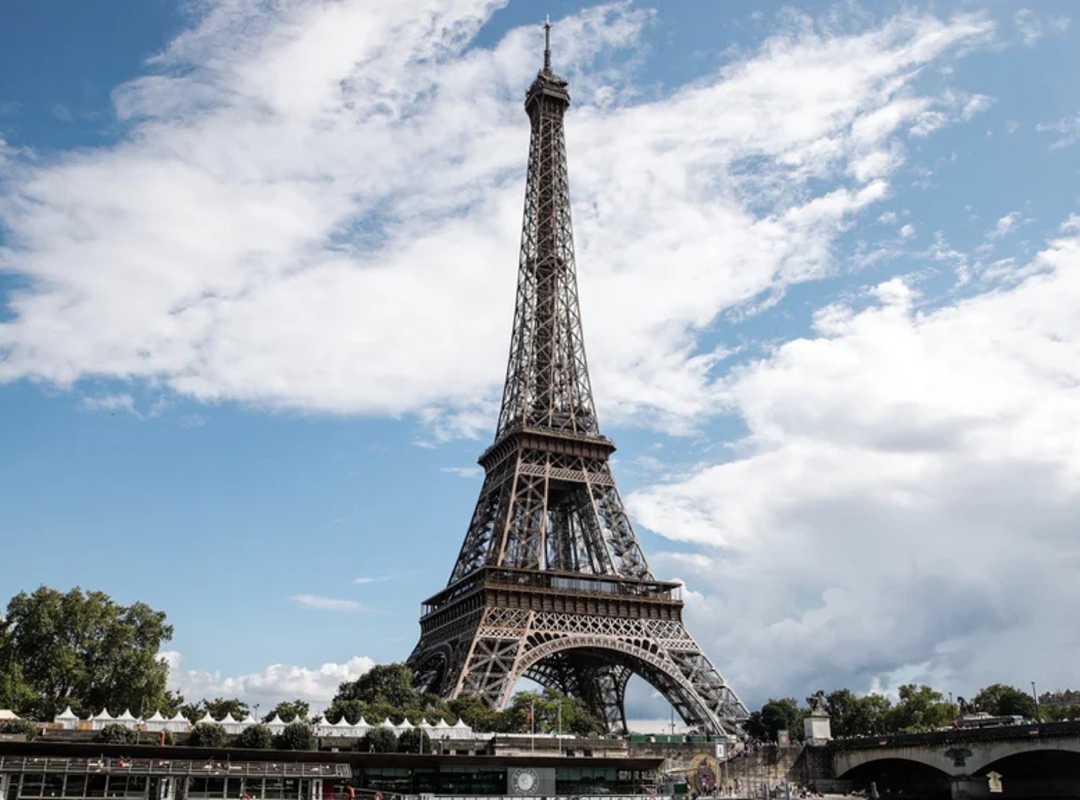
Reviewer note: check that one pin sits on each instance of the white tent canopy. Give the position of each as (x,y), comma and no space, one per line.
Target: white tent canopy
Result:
(277,724)
(67,719)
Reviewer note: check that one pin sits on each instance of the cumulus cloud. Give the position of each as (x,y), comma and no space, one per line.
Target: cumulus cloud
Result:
(316,206)
(273,684)
(905,501)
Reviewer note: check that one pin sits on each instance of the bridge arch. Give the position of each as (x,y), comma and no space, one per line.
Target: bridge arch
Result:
(846,761)
(907,775)
(1026,756)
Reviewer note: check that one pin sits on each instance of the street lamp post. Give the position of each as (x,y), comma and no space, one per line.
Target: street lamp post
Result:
(1035,697)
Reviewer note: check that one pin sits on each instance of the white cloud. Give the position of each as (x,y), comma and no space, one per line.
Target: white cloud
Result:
(1033,26)
(905,501)
(907,231)
(109,402)
(312,205)
(1068,131)
(275,683)
(1005,225)
(318,603)
(463,472)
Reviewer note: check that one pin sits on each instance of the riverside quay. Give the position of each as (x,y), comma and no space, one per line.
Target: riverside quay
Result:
(73,771)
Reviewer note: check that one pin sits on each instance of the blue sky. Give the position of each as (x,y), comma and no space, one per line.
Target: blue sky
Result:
(256,281)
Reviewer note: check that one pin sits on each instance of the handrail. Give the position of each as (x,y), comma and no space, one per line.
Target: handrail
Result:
(172,767)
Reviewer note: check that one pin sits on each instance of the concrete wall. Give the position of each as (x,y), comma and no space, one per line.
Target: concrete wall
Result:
(770,765)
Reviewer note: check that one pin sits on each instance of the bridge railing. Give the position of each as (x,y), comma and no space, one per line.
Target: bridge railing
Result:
(959,735)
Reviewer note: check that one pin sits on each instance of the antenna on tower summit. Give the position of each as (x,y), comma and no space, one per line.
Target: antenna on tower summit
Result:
(547,44)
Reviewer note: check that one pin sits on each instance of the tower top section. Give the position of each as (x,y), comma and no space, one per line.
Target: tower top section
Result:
(547,83)
(547,380)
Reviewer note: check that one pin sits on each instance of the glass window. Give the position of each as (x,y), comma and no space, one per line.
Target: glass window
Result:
(215,787)
(31,785)
(272,789)
(136,786)
(54,784)
(75,786)
(117,786)
(290,789)
(95,785)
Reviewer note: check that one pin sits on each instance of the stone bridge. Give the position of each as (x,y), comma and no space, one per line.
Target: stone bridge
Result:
(1030,760)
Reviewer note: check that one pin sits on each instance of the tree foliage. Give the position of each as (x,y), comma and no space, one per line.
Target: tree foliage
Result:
(379,740)
(116,733)
(782,714)
(920,709)
(852,715)
(219,707)
(476,714)
(384,683)
(1000,700)
(548,711)
(290,710)
(414,741)
(207,734)
(84,650)
(255,737)
(296,736)
(19,726)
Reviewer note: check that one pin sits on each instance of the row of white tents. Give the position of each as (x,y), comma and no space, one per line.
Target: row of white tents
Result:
(180,724)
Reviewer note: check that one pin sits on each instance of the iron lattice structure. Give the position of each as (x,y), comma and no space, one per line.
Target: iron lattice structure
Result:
(551,582)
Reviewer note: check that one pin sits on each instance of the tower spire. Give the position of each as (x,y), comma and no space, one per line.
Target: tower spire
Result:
(547,44)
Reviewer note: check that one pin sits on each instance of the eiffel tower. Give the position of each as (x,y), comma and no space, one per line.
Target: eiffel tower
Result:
(551,583)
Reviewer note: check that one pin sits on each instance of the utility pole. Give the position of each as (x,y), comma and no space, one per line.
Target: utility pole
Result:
(1035,697)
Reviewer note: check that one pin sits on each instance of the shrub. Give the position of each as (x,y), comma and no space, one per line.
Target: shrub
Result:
(380,740)
(414,741)
(296,736)
(17,726)
(255,737)
(115,733)
(207,734)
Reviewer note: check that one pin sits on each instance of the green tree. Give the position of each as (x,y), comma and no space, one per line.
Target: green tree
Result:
(1000,700)
(852,715)
(255,737)
(219,707)
(18,727)
(207,734)
(476,714)
(83,649)
(289,711)
(116,734)
(351,710)
(383,683)
(782,714)
(414,741)
(547,712)
(870,715)
(170,703)
(920,709)
(755,728)
(379,740)
(296,736)
(1056,712)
